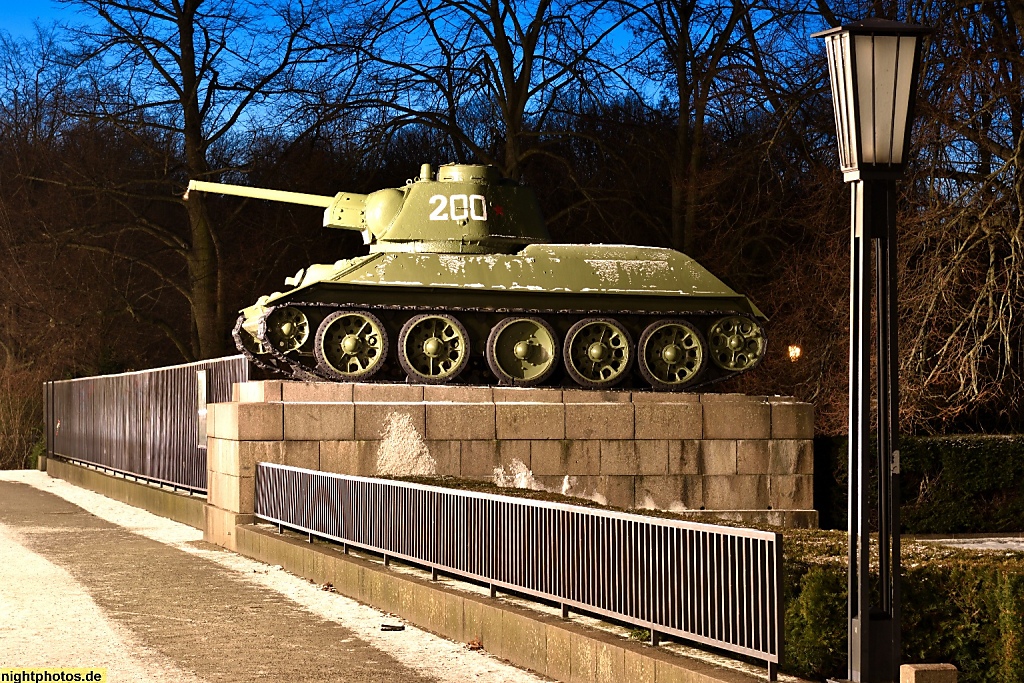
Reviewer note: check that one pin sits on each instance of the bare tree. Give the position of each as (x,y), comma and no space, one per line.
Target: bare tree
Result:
(180,80)
(488,73)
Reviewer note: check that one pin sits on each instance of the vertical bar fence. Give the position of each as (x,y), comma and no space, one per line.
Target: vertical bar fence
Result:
(714,585)
(145,424)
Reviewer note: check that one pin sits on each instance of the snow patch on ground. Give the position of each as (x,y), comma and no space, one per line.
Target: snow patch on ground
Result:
(46,612)
(414,648)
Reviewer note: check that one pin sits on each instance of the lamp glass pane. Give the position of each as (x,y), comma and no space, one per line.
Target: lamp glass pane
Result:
(843,90)
(901,114)
(876,80)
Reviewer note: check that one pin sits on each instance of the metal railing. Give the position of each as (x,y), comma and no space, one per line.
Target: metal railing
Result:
(148,424)
(716,585)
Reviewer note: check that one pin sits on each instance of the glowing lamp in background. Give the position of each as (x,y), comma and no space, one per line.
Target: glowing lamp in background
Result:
(794,353)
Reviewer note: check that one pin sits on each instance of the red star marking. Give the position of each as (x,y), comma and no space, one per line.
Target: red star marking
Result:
(498,210)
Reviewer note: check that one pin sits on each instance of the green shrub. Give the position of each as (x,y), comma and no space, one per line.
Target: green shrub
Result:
(948,484)
(959,606)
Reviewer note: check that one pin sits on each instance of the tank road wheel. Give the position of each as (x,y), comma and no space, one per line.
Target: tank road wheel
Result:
(672,354)
(737,343)
(433,348)
(522,352)
(598,352)
(350,345)
(286,329)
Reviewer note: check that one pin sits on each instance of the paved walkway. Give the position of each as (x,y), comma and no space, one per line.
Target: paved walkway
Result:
(147,598)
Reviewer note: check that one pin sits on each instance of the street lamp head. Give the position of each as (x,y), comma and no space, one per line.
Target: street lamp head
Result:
(873,65)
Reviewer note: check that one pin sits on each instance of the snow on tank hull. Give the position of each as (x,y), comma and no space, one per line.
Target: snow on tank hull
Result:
(590,315)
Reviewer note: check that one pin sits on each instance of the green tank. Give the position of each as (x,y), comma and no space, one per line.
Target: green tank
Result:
(462,283)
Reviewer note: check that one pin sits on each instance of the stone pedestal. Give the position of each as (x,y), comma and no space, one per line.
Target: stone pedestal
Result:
(744,458)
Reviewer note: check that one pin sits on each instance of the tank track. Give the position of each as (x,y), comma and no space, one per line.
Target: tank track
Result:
(289,367)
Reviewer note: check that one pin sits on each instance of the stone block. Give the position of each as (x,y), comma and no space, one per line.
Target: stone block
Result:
(524,641)
(582,659)
(219,527)
(479,458)
(452,628)
(264,391)
(652,456)
(456,393)
(598,420)
(323,566)
(460,420)
(619,457)
(304,454)
(340,457)
(559,458)
(736,492)
(669,420)
(448,457)
(792,421)
(245,421)
(484,623)
(928,673)
(737,419)
(791,492)
(618,491)
(372,419)
(559,646)
(731,398)
(239,458)
(637,667)
(684,457)
(664,397)
(592,396)
(387,393)
(318,421)
(527,395)
(663,492)
(610,665)
(316,392)
(717,457)
(530,420)
(791,457)
(233,494)
(347,577)
(752,456)
(247,542)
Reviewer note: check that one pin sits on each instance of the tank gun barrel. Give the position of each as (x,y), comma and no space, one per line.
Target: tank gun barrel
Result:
(322,201)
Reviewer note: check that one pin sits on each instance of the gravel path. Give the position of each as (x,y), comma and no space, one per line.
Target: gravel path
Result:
(88,581)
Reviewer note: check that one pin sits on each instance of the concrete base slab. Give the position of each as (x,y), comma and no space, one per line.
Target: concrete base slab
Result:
(181,507)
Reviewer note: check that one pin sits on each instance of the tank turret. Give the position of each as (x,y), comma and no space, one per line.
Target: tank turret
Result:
(467,209)
(461,283)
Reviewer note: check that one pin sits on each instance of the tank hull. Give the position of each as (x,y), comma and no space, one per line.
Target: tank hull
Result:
(577,307)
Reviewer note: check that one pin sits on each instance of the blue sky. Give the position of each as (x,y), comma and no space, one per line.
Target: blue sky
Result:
(16,17)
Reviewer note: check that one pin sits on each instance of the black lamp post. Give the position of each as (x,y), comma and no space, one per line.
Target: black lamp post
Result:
(874,67)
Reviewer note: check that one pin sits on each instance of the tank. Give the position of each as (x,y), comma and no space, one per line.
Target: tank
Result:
(461,283)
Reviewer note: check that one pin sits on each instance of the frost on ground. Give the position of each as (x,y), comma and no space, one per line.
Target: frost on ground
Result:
(428,654)
(402,451)
(46,611)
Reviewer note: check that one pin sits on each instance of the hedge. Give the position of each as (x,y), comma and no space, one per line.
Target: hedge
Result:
(959,606)
(949,484)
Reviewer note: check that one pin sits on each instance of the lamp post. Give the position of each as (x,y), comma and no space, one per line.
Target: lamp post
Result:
(873,66)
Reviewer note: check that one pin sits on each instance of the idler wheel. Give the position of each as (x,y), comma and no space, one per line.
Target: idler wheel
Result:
(287,328)
(522,352)
(350,345)
(737,343)
(598,352)
(672,354)
(433,348)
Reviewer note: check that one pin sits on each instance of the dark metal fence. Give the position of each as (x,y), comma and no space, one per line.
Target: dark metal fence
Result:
(715,585)
(148,424)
